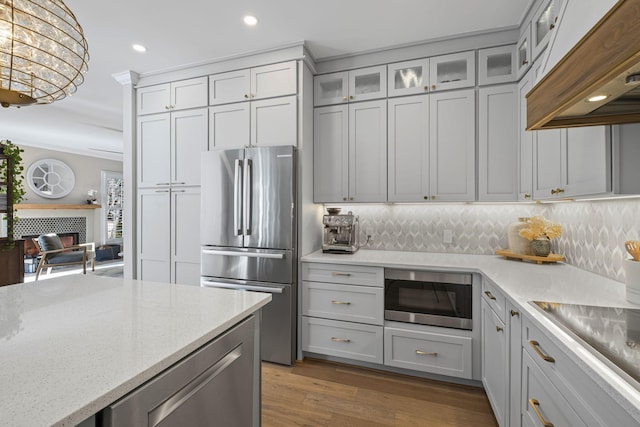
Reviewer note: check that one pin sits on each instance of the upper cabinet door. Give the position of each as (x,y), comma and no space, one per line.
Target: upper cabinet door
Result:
(525,143)
(548,156)
(544,21)
(229,126)
(453,71)
(408,78)
(331,154)
(154,150)
(274,80)
(497,65)
(587,168)
(190,93)
(225,88)
(368,83)
(524,52)
(331,88)
(273,121)
(153,99)
(189,138)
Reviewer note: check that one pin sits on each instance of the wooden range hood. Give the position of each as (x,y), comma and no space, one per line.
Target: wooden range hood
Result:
(606,61)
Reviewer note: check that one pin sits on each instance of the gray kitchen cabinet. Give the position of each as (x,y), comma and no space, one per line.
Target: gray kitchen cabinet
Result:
(179,95)
(266,122)
(408,77)
(452,145)
(495,362)
(168,233)
(513,320)
(342,311)
(497,65)
(523,52)
(350,152)
(542,25)
(346,86)
(497,148)
(263,82)
(169,147)
(453,71)
(525,141)
(572,162)
(408,149)
(218,384)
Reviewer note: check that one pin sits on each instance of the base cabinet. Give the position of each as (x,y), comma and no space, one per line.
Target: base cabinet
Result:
(495,363)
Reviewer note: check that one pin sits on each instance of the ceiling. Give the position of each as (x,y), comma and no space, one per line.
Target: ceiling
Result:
(192,31)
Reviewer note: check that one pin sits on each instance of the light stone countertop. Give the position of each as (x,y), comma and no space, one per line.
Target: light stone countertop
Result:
(523,282)
(72,345)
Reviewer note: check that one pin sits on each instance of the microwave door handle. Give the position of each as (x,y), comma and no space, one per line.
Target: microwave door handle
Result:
(237,199)
(247,190)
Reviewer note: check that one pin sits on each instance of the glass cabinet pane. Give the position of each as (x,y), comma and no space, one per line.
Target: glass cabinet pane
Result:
(522,53)
(4,231)
(499,65)
(409,77)
(367,83)
(406,78)
(331,88)
(451,71)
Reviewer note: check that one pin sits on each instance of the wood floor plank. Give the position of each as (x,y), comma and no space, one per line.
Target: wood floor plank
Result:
(320,393)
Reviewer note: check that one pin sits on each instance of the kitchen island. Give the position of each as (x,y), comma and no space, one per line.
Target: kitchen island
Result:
(72,346)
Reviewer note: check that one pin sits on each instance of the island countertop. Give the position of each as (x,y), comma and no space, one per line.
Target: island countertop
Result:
(70,346)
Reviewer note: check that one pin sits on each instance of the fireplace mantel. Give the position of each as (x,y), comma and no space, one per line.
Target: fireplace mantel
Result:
(54,206)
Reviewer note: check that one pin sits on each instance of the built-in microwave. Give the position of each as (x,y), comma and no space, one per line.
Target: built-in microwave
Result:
(429,298)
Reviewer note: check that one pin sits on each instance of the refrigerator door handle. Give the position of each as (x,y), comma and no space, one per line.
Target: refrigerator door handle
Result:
(247,193)
(237,199)
(243,254)
(269,289)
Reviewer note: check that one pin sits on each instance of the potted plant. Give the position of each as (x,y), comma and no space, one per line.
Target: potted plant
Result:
(540,231)
(11,186)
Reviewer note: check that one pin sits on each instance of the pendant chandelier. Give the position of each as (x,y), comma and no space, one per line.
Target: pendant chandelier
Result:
(43,52)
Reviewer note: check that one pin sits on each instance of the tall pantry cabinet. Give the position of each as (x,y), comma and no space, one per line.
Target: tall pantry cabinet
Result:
(168,180)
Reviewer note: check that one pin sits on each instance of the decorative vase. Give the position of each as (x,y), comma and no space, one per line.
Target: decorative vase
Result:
(517,243)
(541,246)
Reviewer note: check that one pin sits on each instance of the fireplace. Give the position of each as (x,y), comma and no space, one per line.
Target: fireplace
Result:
(68,239)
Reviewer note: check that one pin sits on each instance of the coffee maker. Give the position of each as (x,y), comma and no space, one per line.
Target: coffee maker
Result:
(340,232)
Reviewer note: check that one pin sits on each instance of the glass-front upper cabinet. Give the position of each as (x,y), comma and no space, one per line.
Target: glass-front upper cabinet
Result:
(453,71)
(524,52)
(408,78)
(544,21)
(497,65)
(349,86)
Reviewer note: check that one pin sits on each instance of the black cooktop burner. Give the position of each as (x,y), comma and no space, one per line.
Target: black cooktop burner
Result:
(611,333)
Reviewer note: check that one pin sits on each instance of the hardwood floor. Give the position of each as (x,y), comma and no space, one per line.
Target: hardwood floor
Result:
(320,393)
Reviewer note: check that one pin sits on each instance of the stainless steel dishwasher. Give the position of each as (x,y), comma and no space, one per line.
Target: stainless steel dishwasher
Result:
(218,385)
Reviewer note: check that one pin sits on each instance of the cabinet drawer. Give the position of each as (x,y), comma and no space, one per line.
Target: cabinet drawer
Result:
(347,274)
(343,339)
(363,304)
(428,352)
(541,401)
(495,299)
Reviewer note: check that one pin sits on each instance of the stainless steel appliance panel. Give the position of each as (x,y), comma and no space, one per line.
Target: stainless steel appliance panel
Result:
(221,208)
(269,194)
(213,386)
(263,265)
(277,341)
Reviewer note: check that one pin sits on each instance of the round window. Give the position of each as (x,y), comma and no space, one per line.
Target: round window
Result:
(50,178)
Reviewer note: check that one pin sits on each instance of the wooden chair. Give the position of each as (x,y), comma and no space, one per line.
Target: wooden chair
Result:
(53,254)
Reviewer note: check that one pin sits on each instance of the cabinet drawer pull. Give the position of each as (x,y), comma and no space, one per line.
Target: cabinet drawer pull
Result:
(514,313)
(426,353)
(499,329)
(333,273)
(163,183)
(490,295)
(544,357)
(334,339)
(341,302)
(534,405)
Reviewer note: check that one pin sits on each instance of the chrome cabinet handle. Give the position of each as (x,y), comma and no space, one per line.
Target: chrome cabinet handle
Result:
(534,405)
(341,302)
(514,313)
(535,345)
(489,295)
(426,353)
(334,273)
(334,339)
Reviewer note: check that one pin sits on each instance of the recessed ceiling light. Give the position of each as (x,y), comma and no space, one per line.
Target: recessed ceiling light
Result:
(597,98)
(250,20)
(139,48)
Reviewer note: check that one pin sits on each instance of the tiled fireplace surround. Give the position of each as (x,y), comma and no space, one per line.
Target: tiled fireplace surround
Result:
(593,234)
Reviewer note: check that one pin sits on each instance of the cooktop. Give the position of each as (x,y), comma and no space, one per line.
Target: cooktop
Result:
(611,333)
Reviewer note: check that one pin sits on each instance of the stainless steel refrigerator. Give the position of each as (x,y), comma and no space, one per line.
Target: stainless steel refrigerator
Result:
(248,235)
